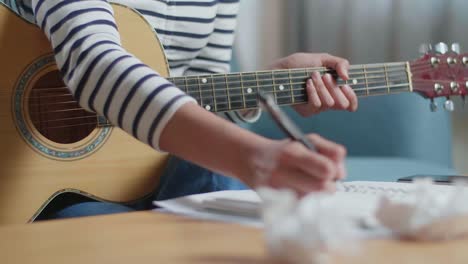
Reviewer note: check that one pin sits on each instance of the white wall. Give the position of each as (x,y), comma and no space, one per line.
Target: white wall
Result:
(258,39)
(247,35)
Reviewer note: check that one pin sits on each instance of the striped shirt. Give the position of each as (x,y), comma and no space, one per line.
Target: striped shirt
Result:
(197,36)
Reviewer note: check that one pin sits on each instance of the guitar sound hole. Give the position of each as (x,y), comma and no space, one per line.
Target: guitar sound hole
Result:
(55,113)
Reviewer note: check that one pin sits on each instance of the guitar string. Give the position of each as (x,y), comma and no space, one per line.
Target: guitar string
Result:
(302,81)
(381,86)
(50,96)
(426,67)
(64,110)
(94,116)
(207,97)
(287,90)
(79,125)
(314,69)
(98,125)
(64,119)
(392,81)
(390,68)
(208,93)
(424,71)
(371,75)
(414,66)
(233,102)
(201,86)
(241,87)
(389,71)
(319,69)
(52,103)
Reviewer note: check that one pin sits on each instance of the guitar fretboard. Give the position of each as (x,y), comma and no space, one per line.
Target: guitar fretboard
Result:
(236,91)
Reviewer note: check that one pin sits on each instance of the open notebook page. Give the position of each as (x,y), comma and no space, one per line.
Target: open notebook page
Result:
(356,199)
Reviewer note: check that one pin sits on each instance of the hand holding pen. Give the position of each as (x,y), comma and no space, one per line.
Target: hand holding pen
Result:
(315,163)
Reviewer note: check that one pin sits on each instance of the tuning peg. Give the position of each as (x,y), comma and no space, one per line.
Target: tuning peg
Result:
(455,47)
(449,105)
(425,48)
(441,48)
(433,106)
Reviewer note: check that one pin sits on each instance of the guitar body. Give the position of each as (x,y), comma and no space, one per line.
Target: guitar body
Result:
(34,168)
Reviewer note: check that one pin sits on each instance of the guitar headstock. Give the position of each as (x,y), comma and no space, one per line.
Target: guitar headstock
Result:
(441,72)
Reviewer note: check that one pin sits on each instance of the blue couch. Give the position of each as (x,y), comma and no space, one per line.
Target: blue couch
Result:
(387,138)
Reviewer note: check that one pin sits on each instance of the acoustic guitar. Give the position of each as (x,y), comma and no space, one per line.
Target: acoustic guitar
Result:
(51,146)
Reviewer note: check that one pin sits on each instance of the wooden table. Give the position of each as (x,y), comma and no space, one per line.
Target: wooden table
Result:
(148,237)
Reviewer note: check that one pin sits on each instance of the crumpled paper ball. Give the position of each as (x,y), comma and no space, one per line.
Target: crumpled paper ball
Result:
(304,230)
(427,213)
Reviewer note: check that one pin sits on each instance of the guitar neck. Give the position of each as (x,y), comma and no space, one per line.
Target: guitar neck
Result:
(238,91)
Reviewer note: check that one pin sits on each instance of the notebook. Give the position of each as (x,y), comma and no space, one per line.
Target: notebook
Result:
(358,199)
(240,207)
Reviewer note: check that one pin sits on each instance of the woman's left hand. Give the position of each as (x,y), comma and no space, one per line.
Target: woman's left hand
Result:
(322,91)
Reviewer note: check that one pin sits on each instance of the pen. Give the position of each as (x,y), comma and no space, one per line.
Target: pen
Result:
(282,120)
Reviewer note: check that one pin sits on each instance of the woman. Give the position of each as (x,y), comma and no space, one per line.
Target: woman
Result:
(197,37)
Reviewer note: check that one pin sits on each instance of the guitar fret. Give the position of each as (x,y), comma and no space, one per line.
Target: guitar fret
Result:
(291,86)
(208,94)
(408,76)
(376,81)
(283,87)
(193,89)
(221,98)
(365,79)
(274,87)
(237,91)
(215,104)
(199,90)
(214,91)
(219,85)
(250,83)
(180,83)
(200,93)
(265,83)
(242,88)
(228,94)
(258,82)
(186,84)
(386,78)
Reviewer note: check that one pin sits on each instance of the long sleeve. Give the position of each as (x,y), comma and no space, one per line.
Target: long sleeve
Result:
(102,76)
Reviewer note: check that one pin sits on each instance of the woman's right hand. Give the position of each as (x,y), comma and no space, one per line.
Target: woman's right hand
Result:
(196,135)
(289,164)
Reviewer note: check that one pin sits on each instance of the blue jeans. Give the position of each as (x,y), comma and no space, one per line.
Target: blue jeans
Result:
(180,178)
